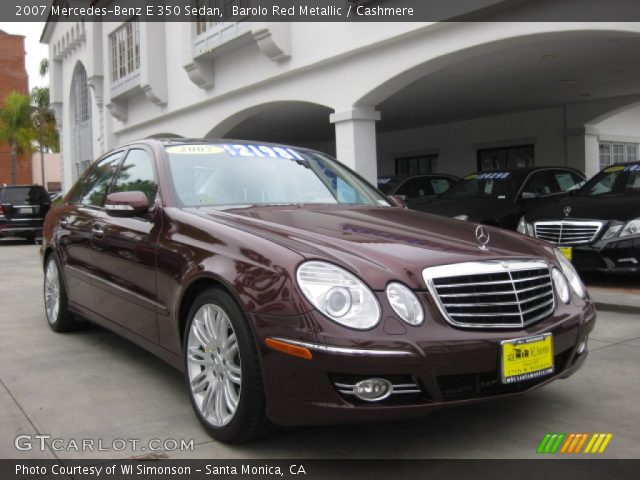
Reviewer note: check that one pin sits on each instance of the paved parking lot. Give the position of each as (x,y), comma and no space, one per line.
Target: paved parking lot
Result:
(95,385)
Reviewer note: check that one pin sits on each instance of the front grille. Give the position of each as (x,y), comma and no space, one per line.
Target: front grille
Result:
(567,232)
(492,294)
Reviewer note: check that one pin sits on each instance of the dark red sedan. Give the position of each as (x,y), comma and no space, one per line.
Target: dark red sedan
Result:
(292,292)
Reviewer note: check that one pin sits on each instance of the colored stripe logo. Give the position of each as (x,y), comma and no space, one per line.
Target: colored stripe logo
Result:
(574,443)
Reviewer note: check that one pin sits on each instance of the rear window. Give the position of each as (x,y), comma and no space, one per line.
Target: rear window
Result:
(24,195)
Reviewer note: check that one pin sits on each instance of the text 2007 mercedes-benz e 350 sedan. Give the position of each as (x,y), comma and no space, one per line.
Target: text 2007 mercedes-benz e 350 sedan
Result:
(292,292)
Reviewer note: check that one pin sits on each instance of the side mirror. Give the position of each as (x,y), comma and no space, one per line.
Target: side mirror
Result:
(397,201)
(529,195)
(126,204)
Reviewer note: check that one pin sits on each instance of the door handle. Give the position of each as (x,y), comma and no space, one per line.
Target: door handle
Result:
(97,230)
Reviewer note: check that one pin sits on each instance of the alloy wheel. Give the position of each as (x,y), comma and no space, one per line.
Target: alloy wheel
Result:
(213,365)
(52,291)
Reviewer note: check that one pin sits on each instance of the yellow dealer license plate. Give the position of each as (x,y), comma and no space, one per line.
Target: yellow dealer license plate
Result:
(567,252)
(527,358)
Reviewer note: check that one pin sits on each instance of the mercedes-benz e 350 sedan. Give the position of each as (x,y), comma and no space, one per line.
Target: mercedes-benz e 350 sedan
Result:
(292,292)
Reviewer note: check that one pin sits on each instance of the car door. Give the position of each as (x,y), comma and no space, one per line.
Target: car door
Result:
(124,252)
(73,231)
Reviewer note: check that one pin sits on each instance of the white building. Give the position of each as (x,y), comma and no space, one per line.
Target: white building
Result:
(383,97)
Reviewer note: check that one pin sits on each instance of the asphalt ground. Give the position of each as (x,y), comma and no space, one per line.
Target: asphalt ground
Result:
(93,385)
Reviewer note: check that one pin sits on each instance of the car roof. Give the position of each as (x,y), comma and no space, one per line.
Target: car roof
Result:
(623,164)
(521,172)
(405,176)
(169,141)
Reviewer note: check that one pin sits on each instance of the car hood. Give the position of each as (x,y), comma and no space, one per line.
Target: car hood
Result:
(477,209)
(376,243)
(601,207)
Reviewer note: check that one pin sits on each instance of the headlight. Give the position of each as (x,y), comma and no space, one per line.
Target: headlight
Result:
(562,287)
(571,275)
(525,227)
(631,228)
(462,217)
(405,303)
(339,295)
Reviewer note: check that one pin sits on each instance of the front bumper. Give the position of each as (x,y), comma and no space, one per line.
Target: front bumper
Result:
(448,365)
(616,255)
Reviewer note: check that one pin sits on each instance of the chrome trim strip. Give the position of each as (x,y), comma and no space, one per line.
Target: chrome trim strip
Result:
(488,267)
(346,350)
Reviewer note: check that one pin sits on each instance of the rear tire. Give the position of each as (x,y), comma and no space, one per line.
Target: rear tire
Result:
(59,318)
(222,370)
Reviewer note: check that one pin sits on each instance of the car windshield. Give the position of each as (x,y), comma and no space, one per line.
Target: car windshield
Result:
(617,179)
(483,185)
(24,195)
(254,174)
(387,184)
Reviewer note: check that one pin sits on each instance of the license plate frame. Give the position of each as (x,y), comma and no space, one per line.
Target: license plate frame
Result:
(514,369)
(567,252)
(26,210)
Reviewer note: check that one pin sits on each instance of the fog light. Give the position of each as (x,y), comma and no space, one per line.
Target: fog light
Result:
(373,389)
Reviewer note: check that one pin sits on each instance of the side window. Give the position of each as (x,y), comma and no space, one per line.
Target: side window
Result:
(136,174)
(415,187)
(441,185)
(541,183)
(567,180)
(78,189)
(99,180)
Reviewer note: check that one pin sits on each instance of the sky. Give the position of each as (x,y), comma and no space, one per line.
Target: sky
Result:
(36,51)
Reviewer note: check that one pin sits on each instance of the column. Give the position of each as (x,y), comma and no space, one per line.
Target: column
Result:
(583,149)
(356,140)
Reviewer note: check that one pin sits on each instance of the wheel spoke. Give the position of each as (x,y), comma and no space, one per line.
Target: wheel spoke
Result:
(197,356)
(210,322)
(200,332)
(207,407)
(230,395)
(200,383)
(219,403)
(235,374)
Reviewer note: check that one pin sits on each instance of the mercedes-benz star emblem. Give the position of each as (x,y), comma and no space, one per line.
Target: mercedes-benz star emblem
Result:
(567,211)
(482,235)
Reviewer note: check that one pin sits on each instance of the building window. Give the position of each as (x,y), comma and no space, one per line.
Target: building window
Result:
(611,153)
(416,164)
(81,167)
(125,50)
(503,158)
(225,7)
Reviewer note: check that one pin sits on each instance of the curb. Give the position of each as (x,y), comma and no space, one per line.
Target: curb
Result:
(612,307)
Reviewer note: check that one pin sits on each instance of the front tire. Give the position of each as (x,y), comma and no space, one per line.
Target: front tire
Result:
(59,318)
(222,369)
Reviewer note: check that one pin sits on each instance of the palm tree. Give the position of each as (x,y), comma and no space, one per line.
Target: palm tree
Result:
(16,127)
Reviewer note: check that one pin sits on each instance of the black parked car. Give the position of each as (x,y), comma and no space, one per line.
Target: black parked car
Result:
(22,210)
(409,187)
(599,227)
(501,197)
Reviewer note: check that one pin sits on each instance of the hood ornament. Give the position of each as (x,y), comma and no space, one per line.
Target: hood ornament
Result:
(482,236)
(567,211)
